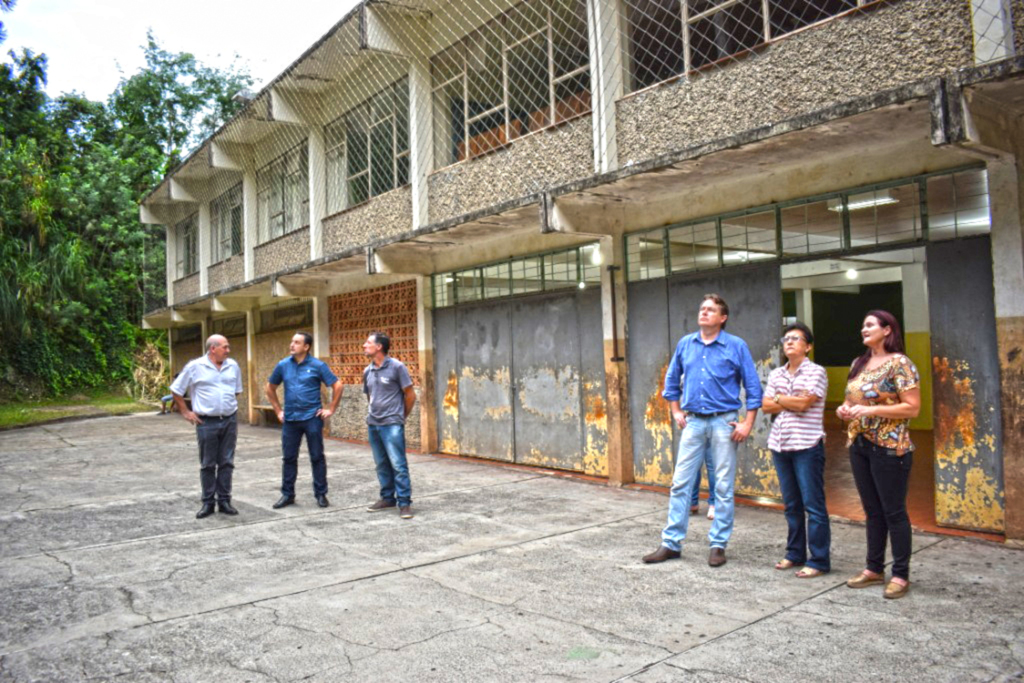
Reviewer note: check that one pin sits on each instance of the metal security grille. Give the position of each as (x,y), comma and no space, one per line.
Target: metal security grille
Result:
(578,267)
(368,149)
(283,194)
(186,233)
(226,225)
(993,30)
(522,71)
(935,207)
(668,38)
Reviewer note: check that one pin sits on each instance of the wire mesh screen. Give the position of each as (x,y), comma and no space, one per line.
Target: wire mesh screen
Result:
(520,72)
(283,194)
(668,38)
(186,237)
(226,225)
(993,30)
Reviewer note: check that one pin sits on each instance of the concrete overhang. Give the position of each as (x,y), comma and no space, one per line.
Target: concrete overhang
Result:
(858,143)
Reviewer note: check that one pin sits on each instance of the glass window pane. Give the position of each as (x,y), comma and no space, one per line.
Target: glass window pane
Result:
(572,97)
(655,30)
(748,238)
(526,275)
(496,281)
(382,159)
(467,285)
(569,34)
(887,215)
(646,255)
(958,205)
(811,228)
(529,95)
(790,15)
(560,270)
(724,33)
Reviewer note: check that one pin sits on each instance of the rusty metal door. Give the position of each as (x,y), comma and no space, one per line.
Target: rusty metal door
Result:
(754,295)
(548,379)
(966,390)
(523,380)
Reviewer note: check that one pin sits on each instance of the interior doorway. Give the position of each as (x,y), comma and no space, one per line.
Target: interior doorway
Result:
(832,296)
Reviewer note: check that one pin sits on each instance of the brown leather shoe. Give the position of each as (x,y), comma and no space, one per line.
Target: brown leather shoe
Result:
(717,557)
(661,554)
(895,590)
(862,580)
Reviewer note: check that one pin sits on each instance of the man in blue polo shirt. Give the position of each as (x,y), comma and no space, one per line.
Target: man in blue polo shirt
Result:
(702,386)
(303,413)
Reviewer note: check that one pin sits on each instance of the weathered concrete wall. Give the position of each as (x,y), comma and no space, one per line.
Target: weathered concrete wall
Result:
(183,353)
(288,250)
(383,216)
(270,348)
(538,161)
(350,420)
(847,58)
(226,273)
(186,288)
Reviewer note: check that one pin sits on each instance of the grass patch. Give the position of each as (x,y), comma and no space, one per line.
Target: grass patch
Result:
(97,402)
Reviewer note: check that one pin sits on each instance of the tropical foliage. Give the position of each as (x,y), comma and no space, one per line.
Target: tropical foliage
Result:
(79,269)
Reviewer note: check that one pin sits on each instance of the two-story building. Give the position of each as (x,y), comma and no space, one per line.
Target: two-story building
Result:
(531,197)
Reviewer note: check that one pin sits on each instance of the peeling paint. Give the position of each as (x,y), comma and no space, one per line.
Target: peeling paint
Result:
(756,475)
(451,396)
(595,418)
(965,495)
(551,393)
(658,423)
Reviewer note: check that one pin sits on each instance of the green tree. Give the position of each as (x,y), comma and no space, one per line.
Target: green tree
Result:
(5,6)
(72,172)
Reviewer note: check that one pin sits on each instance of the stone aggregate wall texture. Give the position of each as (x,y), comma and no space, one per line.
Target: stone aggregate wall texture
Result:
(383,216)
(184,352)
(535,162)
(847,58)
(1017,14)
(226,273)
(285,251)
(186,288)
(349,422)
(270,348)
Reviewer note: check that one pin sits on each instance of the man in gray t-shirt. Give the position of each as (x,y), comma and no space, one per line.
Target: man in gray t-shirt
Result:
(391,397)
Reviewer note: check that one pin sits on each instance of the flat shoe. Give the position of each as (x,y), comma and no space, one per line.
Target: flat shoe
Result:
(787,564)
(895,590)
(862,580)
(808,573)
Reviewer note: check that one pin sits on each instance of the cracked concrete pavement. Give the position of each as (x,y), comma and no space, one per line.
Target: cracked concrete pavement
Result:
(504,575)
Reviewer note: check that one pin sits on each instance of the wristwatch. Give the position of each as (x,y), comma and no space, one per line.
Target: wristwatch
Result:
(777,396)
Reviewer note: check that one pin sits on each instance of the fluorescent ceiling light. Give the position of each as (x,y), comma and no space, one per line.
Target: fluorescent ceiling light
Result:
(851,274)
(865,200)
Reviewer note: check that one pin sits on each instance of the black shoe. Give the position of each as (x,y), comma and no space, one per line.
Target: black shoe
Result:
(226,507)
(716,558)
(284,501)
(205,511)
(321,500)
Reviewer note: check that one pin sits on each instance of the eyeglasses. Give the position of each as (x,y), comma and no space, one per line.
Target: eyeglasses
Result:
(791,338)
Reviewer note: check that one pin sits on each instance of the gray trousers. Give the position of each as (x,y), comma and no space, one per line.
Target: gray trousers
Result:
(216,437)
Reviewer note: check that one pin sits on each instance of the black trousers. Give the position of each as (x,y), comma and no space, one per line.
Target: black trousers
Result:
(216,437)
(882,478)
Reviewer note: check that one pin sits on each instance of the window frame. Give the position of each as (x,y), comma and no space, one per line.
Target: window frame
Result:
(186,234)
(223,211)
(288,171)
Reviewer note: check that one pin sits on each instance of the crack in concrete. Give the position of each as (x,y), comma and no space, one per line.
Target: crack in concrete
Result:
(129,597)
(712,673)
(58,436)
(276,619)
(65,564)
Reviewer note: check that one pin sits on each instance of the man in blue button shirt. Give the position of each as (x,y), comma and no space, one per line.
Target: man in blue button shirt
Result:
(702,386)
(303,413)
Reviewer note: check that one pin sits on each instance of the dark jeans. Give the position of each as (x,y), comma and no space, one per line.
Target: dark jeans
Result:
(388,445)
(291,439)
(216,437)
(882,478)
(802,480)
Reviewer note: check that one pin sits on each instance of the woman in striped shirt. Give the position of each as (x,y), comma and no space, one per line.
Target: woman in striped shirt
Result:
(795,395)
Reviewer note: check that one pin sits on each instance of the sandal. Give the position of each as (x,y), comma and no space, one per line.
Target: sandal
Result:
(808,573)
(787,564)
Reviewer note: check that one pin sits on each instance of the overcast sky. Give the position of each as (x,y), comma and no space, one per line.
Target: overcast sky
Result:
(91,43)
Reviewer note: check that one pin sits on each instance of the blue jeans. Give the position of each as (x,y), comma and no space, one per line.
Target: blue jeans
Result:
(802,480)
(388,444)
(291,438)
(709,466)
(703,436)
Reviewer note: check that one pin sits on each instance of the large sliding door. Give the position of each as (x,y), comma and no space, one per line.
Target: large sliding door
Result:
(523,380)
(662,311)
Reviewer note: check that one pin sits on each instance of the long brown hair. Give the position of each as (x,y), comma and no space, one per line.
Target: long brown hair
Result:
(893,342)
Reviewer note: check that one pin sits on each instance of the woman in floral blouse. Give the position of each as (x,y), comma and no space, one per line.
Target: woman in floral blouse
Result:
(882,395)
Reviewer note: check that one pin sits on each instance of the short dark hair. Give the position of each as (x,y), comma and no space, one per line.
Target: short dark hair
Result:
(800,327)
(306,337)
(723,307)
(382,339)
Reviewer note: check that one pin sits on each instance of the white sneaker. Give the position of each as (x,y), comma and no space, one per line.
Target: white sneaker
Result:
(711,512)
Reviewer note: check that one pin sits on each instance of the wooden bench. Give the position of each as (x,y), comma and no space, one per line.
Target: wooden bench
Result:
(267,413)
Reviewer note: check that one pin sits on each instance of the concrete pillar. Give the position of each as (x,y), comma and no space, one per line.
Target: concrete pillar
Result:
(604,33)
(321,328)
(317,191)
(255,392)
(616,372)
(249,218)
(203,247)
(805,307)
(171,264)
(425,335)
(421,138)
(917,335)
(1006,185)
